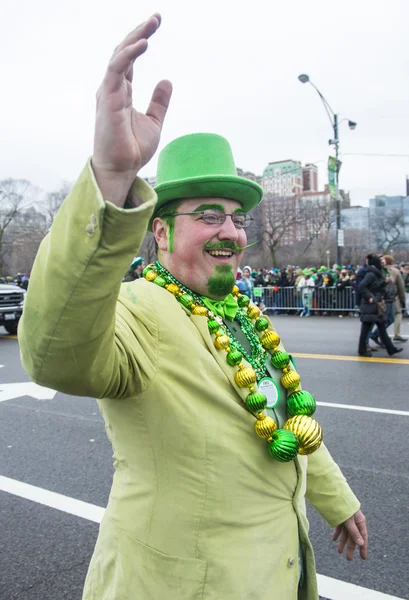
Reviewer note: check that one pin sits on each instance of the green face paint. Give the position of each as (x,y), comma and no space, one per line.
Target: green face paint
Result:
(209,206)
(221,283)
(170,207)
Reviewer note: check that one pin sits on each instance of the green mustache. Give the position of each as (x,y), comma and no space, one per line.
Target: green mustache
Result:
(226,245)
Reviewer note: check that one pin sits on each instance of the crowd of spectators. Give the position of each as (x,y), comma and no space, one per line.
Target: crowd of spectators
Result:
(311,291)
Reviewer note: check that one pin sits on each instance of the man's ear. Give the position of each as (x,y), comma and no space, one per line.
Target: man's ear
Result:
(160,231)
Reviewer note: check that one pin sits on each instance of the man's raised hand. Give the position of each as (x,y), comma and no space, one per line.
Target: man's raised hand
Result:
(125,140)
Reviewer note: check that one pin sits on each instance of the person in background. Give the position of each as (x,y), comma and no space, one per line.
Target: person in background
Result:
(260,281)
(372,294)
(240,283)
(135,269)
(343,298)
(25,280)
(400,300)
(248,282)
(405,276)
(306,286)
(390,295)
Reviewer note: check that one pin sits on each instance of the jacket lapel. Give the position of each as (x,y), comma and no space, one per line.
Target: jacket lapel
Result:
(219,356)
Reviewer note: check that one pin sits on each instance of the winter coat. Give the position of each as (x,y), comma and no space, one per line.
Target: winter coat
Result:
(372,286)
(198,508)
(358,280)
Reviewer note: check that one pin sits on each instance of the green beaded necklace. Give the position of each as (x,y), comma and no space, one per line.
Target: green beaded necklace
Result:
(301,434)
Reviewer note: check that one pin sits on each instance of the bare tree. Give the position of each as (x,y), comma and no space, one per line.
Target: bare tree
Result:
(317,221)
(53,201)
(388,229)
(14,195)
(282,215)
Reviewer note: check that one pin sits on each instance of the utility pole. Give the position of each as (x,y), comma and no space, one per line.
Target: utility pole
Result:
(333,142)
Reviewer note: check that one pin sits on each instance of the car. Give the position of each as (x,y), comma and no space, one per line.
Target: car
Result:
(11,306)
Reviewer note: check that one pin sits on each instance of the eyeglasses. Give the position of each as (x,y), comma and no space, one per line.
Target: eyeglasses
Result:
(241,220)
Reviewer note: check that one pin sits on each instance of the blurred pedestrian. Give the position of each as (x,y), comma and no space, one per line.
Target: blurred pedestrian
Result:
(135,269)
(373,306)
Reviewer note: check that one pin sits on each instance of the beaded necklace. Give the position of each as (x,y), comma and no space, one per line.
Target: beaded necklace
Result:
(301,434)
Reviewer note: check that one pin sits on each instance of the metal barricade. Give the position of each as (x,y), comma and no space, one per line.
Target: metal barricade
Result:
(318,300)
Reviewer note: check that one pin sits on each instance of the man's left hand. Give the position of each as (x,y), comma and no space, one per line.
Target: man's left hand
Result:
(352,533)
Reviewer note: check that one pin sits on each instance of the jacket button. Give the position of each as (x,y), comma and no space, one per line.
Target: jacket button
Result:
(291,562)
(90,230)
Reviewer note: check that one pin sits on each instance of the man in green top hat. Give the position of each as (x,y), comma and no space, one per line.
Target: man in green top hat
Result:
(208,496)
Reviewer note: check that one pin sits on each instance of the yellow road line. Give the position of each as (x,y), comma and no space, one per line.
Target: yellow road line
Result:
(6,336)
(394,361)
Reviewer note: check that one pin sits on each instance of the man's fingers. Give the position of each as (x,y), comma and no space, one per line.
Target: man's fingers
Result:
(351,545)
(160,102)
(361,524)
(336,533)
(342,540)
(122,64)
(142,31)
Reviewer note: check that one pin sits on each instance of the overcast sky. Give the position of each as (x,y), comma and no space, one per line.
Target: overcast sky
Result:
(234,66)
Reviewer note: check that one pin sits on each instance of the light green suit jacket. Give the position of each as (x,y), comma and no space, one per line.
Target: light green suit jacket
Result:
(198,508)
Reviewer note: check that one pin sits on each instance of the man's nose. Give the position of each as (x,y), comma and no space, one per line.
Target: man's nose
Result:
(228,230)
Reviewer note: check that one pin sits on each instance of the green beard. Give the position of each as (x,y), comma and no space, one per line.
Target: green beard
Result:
(222,282)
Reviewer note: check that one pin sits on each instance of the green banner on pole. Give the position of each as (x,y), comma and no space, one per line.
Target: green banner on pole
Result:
(332,177)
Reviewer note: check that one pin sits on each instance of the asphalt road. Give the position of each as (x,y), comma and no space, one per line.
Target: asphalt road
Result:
(60,445)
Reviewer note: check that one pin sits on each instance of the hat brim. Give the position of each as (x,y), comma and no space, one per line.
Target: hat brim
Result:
(247,192)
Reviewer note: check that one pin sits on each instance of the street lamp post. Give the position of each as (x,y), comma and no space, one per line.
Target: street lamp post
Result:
(333,117)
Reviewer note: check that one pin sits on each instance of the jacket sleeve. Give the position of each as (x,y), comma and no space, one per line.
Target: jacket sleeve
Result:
(71,336)
(363,287)
(327,489)
(401,289)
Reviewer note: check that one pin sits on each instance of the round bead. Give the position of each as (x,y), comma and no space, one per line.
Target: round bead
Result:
(255,402)
(265,427)
(284,445)
(151,275)
(253,311)
(261,324)
(280,359)
(243,301)
(146,270)
(301,402)
(173,288)
(245,377)
(222,342)
(290,380)
(307,431)
(213,325)
(234,358)
(200,311)
(186,300)
(270,340)
(235,291)
(161,281)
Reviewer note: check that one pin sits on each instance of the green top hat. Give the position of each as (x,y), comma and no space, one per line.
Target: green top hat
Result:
(201,165)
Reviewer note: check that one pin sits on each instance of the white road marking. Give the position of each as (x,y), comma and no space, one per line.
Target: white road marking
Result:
(340,590)
(1,366)
(9,391)
(78,508)
(387,411)
(333,589)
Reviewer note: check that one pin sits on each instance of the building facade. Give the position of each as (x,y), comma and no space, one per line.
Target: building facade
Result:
(310,178)
(283,178)
(355,217)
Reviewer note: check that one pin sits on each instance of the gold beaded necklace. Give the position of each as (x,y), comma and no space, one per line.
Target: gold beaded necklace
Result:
(301,434)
